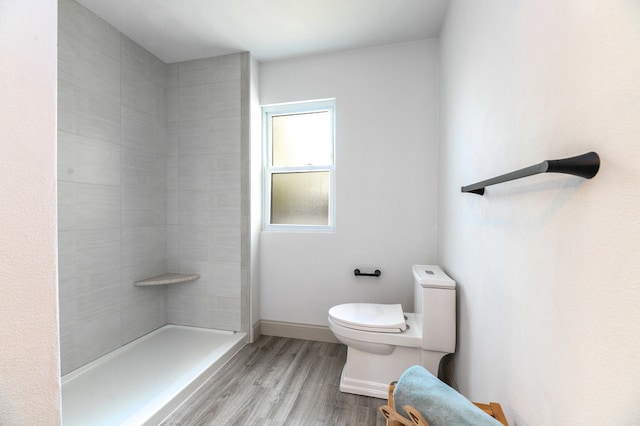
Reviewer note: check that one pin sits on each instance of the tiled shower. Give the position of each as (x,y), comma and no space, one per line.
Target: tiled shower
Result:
(153,176)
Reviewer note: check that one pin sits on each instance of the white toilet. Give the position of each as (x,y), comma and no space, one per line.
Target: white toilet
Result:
(383,341)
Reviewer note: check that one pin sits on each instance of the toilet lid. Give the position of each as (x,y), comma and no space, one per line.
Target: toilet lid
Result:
(376,317)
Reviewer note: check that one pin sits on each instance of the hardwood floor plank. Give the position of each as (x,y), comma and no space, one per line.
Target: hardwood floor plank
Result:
(279,381)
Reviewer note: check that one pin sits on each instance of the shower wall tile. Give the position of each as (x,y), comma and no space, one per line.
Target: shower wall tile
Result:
(193,303)
(143,170)
(144,309)
(84,340)
(189,305)
(226,133)
(228,199)
(208,71)
(88,185)
(172,104)
(190,128)
(144,254)
(224,250)
(218,100)
(88,114)
(172,139)
(225,313)
(173,180)
(202,309)
(192,103)
(193,173)
(204,124)
(226,215)
(194,208)
(135,58)
(86,31)
(143,245)
(89,274)
(113,182)
(223,242)
(172,75)
(90,301)
(91,253)
(225,100)
(144,189)
(88,206)
(194,243)
(86,160)
(173,250)
(143,207)
(142,94)
(89,69)
(161,172)
(143,131)
(138,271)
(174,296)
(227,279)
(227,162)
(226,181)
(217,278)
(91,295)
(172,151)
(173,207)
(195,146)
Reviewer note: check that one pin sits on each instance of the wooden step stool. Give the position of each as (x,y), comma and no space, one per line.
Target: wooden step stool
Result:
(395,419)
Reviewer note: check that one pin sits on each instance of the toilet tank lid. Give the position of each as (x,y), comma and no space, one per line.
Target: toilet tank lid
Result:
(432,276)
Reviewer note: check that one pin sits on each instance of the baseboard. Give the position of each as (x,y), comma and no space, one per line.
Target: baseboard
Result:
(292,330)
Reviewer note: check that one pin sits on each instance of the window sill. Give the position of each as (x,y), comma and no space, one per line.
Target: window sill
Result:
(300,229)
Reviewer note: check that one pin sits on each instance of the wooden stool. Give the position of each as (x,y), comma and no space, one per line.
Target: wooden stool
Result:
(395,419)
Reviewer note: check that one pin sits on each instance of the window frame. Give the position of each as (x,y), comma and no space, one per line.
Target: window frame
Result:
(293,108)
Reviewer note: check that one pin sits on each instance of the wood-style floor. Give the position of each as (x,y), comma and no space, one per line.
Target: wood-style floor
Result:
(278,381)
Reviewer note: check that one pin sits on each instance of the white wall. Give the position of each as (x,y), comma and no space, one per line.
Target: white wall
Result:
(29,360)
(386,170)
(547,267)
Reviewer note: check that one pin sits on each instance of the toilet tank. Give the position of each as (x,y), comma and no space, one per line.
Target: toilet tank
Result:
(435,307)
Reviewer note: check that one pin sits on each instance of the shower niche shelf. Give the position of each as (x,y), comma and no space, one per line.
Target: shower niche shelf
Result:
(167,278)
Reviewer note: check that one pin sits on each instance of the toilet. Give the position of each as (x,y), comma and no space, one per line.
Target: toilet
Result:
(383,341)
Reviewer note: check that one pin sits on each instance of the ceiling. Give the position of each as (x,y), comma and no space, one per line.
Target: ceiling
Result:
(179,30)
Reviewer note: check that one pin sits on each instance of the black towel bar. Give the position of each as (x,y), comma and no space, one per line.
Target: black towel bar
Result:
(376,273)
(585,166)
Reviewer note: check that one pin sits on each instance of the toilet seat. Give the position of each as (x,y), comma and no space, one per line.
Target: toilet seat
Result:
(375,317)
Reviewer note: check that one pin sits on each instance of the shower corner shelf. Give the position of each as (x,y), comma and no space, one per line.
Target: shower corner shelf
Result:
(167,278)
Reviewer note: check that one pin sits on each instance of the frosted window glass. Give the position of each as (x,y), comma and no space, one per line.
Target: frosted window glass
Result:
(300,198)
(301,139)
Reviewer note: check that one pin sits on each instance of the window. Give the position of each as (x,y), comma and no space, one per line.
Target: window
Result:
(299,166)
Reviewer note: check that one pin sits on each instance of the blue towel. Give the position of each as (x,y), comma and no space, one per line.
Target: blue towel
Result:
(440,404)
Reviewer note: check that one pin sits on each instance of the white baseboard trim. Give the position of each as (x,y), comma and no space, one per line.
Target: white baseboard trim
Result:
(293,330)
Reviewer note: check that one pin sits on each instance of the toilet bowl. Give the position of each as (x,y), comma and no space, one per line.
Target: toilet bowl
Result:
(372,327)
(383,341)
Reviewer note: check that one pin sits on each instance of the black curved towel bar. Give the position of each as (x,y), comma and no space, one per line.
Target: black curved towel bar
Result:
(376,273)
(585,166)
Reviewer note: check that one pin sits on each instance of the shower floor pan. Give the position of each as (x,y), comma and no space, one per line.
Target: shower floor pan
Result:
(142,382)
